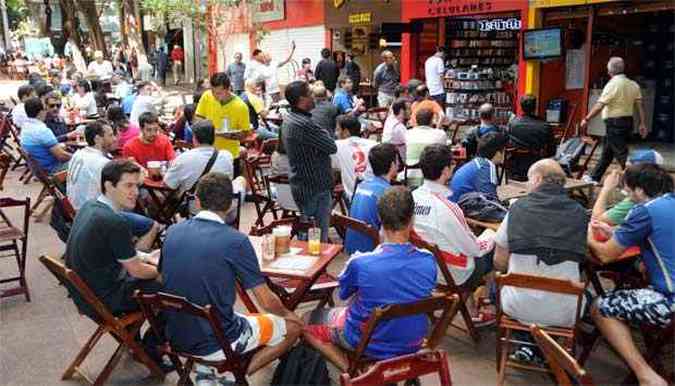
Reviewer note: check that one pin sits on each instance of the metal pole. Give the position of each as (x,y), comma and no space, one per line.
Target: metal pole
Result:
(5,25)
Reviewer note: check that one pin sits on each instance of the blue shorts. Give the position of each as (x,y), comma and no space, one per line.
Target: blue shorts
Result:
(638,306)
(139,224)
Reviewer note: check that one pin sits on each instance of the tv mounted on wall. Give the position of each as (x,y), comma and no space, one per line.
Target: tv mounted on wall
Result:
(544,43)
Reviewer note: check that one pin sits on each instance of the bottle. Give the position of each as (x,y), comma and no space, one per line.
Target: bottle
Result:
(314,238)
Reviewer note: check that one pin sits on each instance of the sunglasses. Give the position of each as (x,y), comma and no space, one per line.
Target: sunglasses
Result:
(51,106)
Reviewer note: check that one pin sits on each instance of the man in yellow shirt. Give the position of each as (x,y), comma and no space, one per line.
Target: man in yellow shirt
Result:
(617,103)
(228,114)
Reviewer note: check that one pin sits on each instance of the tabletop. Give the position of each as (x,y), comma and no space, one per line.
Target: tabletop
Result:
(149,183)
(517,189)
(328,253)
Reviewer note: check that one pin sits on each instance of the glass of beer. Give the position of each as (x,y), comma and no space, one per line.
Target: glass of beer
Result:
(314,240)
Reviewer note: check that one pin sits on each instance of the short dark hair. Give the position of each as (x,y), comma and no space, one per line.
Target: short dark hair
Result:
(399,90)
(115,114)
(381,157)
(197,96)
(306,61)
(214,191)
(325,53)
(25,91)
(112,171)
(92,130)
(147,117)
(220,79)
(528,103)
(398,105)
(434,159)
(204,132)
(140,85)
(343,79)
(43,89)
(256,52)
(490,143)
(651,178)
(52,95)
(396,208)
(85,85)
(424,117)
(295,90)
(350,123)
(33,106)
(412,85)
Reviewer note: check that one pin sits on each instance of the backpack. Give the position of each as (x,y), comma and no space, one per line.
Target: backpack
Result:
(301,366)
(482,207)
(569,153)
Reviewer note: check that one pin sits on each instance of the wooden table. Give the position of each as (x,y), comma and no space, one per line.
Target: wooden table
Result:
(303,280)
(165,200)
(516,189)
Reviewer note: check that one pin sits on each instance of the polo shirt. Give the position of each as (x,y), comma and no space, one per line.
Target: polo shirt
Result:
(84,175)
(186,169)
(619,96)
(235,112)
(386,78)
(99,241)
(617,214)
(391,274)
(201,259)
(651,226)
(343,101)
(479,175)
(434,69)
(352,160)
(420,137)
(159,150)
(364,208)
(394,132)
(236,73)
(36,140)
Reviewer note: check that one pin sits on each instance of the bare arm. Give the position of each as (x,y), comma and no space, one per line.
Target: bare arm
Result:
(59,151)
(644,131)
(600,206)
(606,252)
(140,270)
(271,303)
(501,259)
(288,59)
(594,111)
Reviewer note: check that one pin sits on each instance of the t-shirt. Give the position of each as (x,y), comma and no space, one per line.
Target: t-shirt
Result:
(391,274)
(201,259)
(100,240)
(420,137)
(142,104)
(479,175)
(428,104)
(364,208)
(127,135)
(128,103)
(394,132)
(343,101)
(352,160)
(234,112)
(619,96)
(36,140)
(19,116)
(84,176)
(159,150)
(85,104)
(269,72)
(236,73)
(533,306)
(186,169)
(651,227)
(434,69)
(617,214)
(102,70)
(254,71)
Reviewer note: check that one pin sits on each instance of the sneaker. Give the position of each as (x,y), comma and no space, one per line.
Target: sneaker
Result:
(588,179)
(527,355)
(206,380)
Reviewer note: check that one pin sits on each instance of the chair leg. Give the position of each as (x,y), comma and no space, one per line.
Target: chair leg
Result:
(40,198)
(184,379)
(110,366)
(21,261)
(505,344)
(468,321)
(68,374)
(129,341)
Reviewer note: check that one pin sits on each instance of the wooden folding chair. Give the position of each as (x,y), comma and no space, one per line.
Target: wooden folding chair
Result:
(404,368)
(562,364)
(450,287)
(256,168)
(154,304)
(376,116)
(284,198)
(42,176)
(506,324)
(182,146)
(342,223)
(5,164)
(123,328)
(14,244)
(445,303)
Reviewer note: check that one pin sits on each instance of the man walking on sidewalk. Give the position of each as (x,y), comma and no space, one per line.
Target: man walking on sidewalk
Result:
(177,56)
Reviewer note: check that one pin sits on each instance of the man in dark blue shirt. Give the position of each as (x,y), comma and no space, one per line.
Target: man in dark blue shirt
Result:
(395,272)
(480,174)
(202,259)
(650,226)
(383,159)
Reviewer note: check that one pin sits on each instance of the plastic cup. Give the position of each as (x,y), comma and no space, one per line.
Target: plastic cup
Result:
(282,239)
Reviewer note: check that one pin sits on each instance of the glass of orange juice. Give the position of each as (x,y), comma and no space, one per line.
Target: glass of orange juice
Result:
(314,240)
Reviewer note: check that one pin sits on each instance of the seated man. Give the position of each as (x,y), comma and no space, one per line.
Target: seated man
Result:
(395,126)
(256,109)
(486,113)
(650,226)
(543,235)
(383,159)
(53,118)
(528,132)
(345,100)
(440,221)
(480,174)
(143,103)
(19,111)
(205,250)
(151,145)
(39,142)
(352,153)
(395,272)
(422,135)
(424,101)
(324,113)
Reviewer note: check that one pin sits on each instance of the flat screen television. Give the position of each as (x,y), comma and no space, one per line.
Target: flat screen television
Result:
(545,43)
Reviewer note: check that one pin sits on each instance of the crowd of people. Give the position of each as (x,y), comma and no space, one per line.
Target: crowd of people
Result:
(546,233)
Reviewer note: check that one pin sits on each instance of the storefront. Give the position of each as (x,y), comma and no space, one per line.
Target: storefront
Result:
(641,32)
(483,61)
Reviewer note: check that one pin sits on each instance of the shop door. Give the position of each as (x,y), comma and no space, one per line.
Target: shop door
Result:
(309,42)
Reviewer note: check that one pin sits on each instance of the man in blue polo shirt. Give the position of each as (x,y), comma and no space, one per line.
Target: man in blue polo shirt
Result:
(480,174)
(344,98)
(650,226)
(383,161)
(39,141)
(202,259)
(394,273)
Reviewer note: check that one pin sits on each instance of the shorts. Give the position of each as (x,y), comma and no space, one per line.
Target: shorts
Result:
(328,326)
(638,306)
(482,266)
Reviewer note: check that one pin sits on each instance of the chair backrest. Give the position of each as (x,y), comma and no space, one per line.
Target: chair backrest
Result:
(182,145)
(417,241)
(284,195)
(293,222)
(443,302)
(392,371)
(345,222)
(269,145)
(562,364)
(255,174)
(7,202)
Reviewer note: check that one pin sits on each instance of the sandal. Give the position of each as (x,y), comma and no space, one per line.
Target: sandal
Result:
(484,319)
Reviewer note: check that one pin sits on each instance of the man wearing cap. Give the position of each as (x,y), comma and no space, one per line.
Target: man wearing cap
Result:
(103,69)
(617,103)
(616,214)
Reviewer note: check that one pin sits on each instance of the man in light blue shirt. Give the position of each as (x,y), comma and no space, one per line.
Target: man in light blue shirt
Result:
(39,141)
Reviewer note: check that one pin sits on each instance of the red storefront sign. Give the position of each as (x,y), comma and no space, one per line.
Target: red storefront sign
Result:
(422,9)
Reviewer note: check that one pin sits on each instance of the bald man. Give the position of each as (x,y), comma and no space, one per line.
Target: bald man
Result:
(543,234)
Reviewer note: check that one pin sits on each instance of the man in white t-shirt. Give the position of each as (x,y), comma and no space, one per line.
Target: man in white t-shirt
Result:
(395,126)
(440,221)
(103,69)
(269,72)
(352,153)
(434,71)
(144,102)
(420,137)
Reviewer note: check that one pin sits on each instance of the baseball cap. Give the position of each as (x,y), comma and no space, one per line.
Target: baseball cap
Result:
(645,156)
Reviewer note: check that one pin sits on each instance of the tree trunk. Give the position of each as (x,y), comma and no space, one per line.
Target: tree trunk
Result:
(71,33)
(123,25)
(133,27)
(88,9)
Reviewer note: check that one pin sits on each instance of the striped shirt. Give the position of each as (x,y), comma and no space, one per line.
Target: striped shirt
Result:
(309,149)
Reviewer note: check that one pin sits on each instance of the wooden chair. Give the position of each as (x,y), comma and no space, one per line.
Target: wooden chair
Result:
(123,328)
(445,303)
(256,168)
(342,223)
(376,116)
(42,176)
(5,164)
(404,368)
(284,198)
(14,244)
(154,304)
(182,146)
(450,287)
(562,364)
(506,325)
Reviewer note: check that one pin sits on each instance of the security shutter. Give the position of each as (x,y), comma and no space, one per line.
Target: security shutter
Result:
(309,41)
